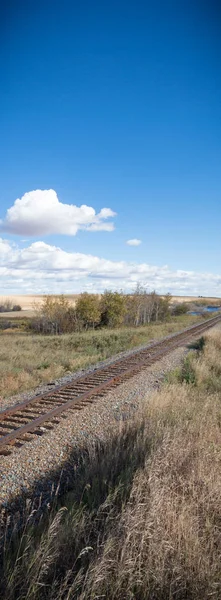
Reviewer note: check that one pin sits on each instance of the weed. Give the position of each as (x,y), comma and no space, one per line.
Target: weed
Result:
(43,365)
(197,344)
(187,372)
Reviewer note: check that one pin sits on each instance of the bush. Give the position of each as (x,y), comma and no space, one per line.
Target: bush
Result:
(198,344)
(113,309)
(16,307)
(8,306)
(180,309)
(88,310)
(187,372)
(54,316)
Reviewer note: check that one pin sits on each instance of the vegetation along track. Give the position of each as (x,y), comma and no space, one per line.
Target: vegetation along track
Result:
(19,423)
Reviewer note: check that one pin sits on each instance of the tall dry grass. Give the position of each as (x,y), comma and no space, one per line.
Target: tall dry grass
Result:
(142,518)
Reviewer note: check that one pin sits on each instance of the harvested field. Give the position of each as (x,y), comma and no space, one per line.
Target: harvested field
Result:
(209,299)
(28,301)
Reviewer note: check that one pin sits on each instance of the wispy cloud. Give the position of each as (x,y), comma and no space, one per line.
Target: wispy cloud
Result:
(134,242)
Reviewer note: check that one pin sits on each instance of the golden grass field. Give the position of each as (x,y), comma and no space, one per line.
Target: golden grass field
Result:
(29,302)
(209,299)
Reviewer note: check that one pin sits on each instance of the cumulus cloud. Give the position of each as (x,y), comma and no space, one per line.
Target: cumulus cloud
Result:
(133,242)
(41,213)
(43,268)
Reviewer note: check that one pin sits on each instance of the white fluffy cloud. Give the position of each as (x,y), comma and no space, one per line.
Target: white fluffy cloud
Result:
(40,213)
(134,242)
(42,268)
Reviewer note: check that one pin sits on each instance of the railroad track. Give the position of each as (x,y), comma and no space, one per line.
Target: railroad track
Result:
(21,422)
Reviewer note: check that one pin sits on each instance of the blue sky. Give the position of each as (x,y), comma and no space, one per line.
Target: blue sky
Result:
(111,106)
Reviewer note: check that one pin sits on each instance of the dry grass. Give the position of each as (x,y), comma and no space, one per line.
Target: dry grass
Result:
(142,518)
(29,360)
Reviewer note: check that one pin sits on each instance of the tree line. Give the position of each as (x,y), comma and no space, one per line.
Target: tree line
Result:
(111,309)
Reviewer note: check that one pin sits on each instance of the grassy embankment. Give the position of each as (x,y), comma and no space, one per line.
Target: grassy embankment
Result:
(28,360)
(142,520)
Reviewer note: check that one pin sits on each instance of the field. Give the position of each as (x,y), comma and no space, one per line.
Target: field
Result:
(28,303)
(206,299)
(29,360)
(141,520)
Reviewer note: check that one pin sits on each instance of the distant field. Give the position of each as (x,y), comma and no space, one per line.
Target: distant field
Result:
(209,299)
(28,303)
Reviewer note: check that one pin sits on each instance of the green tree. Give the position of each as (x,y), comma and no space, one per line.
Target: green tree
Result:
(88,309)
(113,308)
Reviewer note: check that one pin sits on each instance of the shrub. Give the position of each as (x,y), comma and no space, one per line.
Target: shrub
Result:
(112,309)
(187,372)
(180,309)
(6,305)
(198,344)
(88,309)
(16,307)
(54,316)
